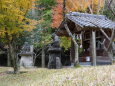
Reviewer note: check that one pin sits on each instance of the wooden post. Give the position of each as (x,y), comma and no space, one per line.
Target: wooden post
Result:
(74,55)
(110,54)
(93,50)
(43,57)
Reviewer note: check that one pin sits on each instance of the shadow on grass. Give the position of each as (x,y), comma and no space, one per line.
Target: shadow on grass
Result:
(12,72)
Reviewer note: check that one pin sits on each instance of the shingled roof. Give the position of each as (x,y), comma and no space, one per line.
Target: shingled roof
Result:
(90,20)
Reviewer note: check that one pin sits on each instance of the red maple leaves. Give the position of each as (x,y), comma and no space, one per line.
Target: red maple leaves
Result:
(57,15)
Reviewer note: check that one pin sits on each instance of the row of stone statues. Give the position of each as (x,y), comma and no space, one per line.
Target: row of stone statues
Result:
(27,54)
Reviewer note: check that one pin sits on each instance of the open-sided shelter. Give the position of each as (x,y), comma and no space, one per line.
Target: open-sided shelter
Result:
(96,34)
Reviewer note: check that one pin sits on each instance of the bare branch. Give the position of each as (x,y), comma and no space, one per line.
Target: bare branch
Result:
(90,9)
(98,6)
(109,7)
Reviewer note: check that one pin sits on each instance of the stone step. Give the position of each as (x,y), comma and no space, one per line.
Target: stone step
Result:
(103,63)
(85,63)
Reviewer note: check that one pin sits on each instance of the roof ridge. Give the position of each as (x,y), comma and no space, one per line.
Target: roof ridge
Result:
(87,15)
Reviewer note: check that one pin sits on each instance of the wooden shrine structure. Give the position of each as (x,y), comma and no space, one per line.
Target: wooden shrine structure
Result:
(96,34)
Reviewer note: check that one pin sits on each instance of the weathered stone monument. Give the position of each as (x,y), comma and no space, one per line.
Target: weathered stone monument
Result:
(54,53)
(26,56)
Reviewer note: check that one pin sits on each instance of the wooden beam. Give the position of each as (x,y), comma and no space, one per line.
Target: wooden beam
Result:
(111,40)
(75,43)
(93,50)
(104,34)
(70,34)
(102,43)
(100,28)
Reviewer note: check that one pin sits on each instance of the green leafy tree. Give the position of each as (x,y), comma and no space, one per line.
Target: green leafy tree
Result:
(65,42)
(42,34)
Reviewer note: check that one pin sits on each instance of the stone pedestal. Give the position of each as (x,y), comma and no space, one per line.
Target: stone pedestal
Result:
(54,58)
(26,60)
(27,56)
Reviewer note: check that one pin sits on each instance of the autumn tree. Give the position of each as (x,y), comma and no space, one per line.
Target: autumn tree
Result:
(109,9)
(13,23)
(65,6)
(57,14)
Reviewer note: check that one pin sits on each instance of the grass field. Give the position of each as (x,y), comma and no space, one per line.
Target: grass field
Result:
(83,76)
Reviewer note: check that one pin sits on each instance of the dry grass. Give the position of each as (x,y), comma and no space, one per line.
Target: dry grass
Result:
(84,76)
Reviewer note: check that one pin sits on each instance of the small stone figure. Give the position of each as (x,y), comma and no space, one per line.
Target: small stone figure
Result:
(54,53)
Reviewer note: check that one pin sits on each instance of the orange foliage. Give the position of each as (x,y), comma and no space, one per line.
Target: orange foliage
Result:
(91,6)
(83,5)
(57,14)
(96,5)
(77,5)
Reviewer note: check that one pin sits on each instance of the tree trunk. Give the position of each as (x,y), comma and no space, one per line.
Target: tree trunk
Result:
(64,8)
(13,57)
(8,59)
(33,9)
(43,57)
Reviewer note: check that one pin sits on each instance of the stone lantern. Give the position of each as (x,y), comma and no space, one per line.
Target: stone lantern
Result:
(27,55)
(54,54)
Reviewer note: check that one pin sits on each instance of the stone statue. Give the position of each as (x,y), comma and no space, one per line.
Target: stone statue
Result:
(25,48)
(54,53)
(26,56)
(55,37)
